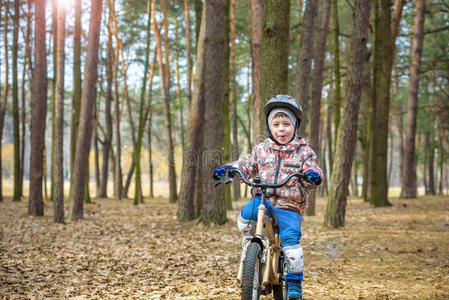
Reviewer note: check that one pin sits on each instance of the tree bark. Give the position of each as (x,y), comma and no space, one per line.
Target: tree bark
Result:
(194,140)
(317,85)
(381,104)
(347,136)
(336,53)
(38,112)
(409,187)
(58,179)
(15,102)
(431,164)
(3,103)
(87,106)
(256,15)
(234,99)
(275,48)
(168,128)
(214,18)
(304,65)
(118,183)
(227,103)
(138,184)
(188,52)
(76,98)
(107,144)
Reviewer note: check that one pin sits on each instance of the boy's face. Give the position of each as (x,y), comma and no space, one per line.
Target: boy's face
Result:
(282,129)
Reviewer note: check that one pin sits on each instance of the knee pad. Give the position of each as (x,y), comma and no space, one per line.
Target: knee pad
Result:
(247,227)
(294,257)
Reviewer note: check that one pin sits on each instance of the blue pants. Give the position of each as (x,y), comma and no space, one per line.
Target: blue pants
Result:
(289,223)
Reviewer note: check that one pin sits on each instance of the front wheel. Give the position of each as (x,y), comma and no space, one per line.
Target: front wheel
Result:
(252,273)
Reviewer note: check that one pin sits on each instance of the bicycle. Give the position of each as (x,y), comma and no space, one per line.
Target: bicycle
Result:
(262,256)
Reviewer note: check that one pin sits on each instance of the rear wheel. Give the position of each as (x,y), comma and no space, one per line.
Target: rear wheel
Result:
(252,273)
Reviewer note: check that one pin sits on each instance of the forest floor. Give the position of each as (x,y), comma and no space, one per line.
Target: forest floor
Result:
(123,251)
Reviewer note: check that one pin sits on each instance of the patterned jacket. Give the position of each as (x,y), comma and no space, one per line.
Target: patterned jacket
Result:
(273,162)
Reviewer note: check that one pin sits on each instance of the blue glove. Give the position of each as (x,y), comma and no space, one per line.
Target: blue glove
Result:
(220,172)
(313,177)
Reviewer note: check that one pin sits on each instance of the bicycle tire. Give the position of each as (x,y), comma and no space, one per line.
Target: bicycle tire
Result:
(252,273)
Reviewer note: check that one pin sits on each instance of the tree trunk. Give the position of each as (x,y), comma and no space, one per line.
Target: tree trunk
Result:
(87,106)
(365,113)
(317,85)
(347,136)
(409,187)
(178,92)
(149,116)
(214,18)
(198,15)
(431,163)
(381,104)
(168,130)
(107,144)
(138,184)
(58,179)
(76,98)
(188,52)
(275,44)
(3,103)
(227,104)
(194,138)
(96,152)
(54,34)
(27,65)
(304,65)
(15,103)
(256,15)
(38,112)
(234,99)
(330,143)
(336,53)
(118,183)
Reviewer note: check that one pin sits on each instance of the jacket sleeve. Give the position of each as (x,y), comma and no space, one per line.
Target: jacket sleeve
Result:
(247,164)
(311,164)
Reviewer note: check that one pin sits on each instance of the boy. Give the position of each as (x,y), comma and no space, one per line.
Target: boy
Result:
(282,153)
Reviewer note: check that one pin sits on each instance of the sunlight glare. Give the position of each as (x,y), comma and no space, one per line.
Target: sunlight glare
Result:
(64,3)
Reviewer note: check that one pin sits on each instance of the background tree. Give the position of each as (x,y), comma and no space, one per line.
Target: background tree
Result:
(214,16)
(58,179)
(77,81)
(409,179)
(317,86)
(256,16)
(138,187)
(15,102)
(87,105)
(347,136)
(380,103)
(3,103)
(274,66)
(305,56)
(38,112)
(165,86)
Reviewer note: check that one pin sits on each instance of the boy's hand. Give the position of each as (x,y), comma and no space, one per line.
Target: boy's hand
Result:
(313,177)
(219,172)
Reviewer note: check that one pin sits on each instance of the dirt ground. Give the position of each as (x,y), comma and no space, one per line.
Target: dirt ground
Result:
(121,251)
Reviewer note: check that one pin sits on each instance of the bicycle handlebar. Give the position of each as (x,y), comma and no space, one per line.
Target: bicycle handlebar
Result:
(230,174)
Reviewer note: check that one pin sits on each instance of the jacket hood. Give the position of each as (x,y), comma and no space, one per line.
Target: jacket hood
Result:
(295,144)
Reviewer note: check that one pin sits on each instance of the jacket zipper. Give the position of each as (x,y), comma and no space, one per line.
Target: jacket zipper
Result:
(276,175)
